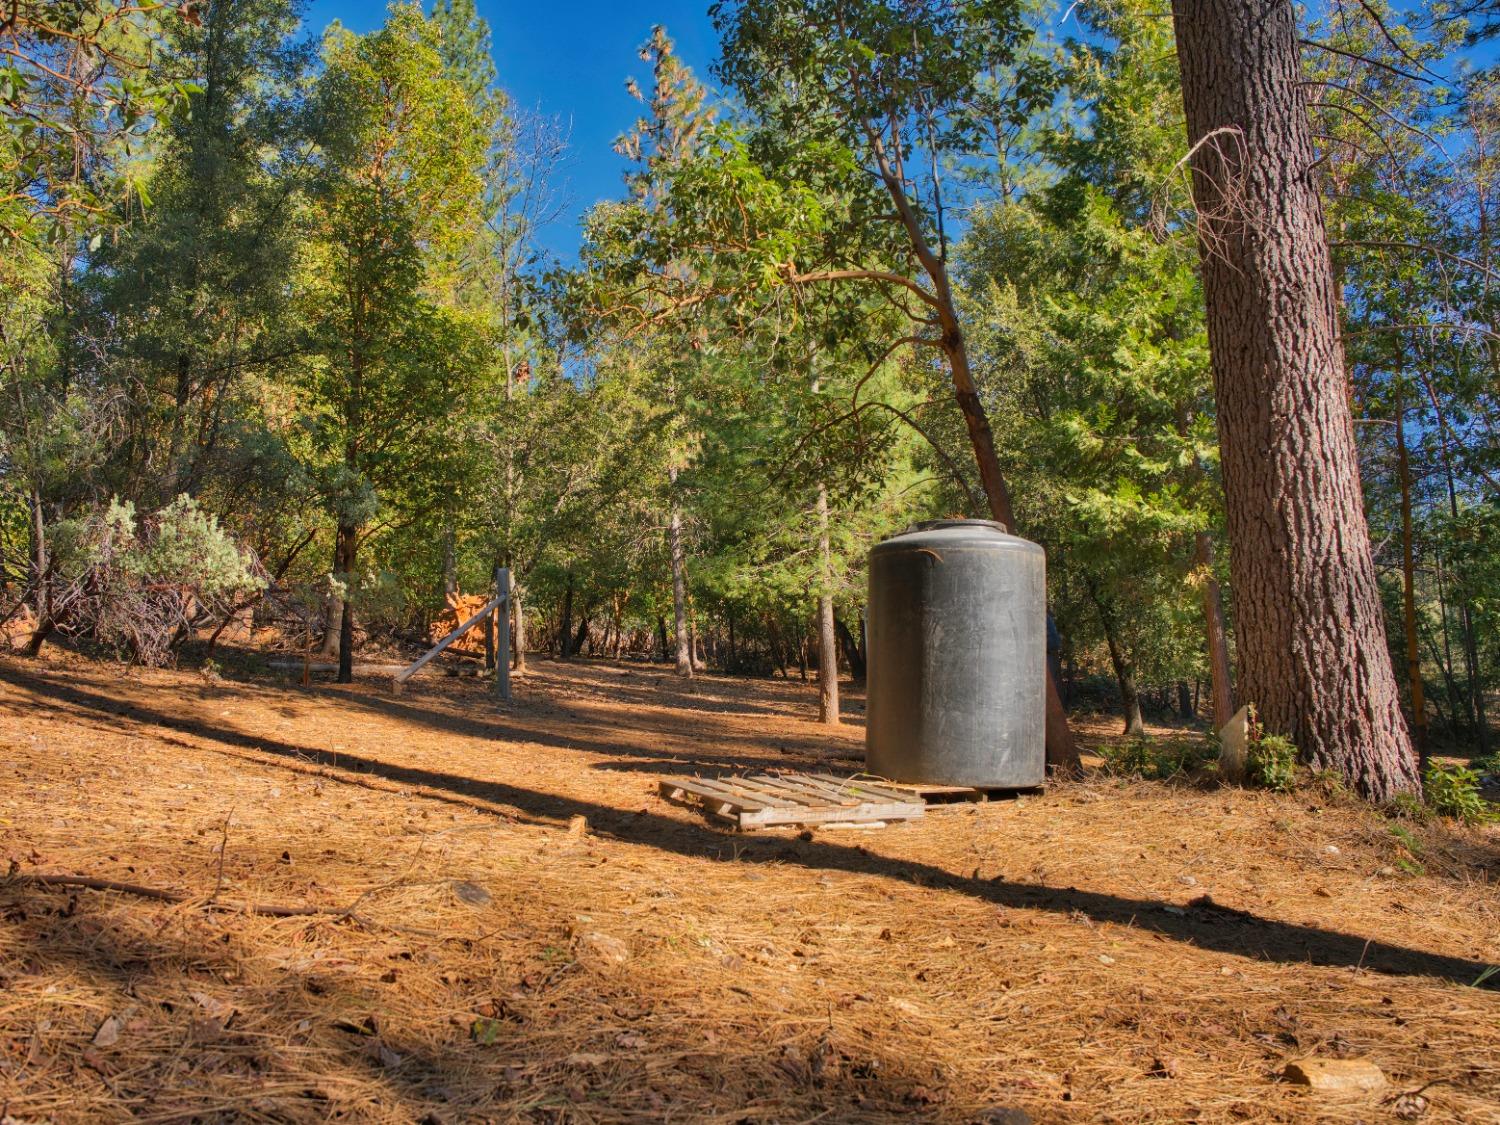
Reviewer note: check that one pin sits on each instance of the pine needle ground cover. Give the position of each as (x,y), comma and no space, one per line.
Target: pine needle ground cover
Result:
(511,925)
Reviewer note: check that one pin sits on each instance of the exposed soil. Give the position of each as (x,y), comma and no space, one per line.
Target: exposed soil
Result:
(1109,951)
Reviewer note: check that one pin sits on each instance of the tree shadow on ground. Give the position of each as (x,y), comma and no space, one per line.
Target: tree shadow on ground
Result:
(713,692)
(1205,925)
(298,1044)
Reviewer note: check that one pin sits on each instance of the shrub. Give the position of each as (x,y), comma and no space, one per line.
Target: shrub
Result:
(1488,766)
(1409,806)
(1454,791)
(185,546)
(1154,760)
(139,584)
(1271,762)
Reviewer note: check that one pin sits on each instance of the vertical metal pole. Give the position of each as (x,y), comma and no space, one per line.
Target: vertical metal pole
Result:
(502,635)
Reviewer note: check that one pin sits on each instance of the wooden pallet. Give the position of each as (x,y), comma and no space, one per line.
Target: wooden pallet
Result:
(954,794)
(791,800)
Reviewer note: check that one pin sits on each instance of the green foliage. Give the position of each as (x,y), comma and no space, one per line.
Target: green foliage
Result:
(1084,307)
(1271,762)
(395,199)
(186,546)
(1407,839)
(136,584)
(1453,791)
(77,89)
(181,545)
(1408,848)
(300,283)
(1410,806)
(1156,759)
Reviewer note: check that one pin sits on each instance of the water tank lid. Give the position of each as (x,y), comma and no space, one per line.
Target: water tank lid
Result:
(935,525)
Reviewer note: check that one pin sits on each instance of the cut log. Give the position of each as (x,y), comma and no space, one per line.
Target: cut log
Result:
(413,668)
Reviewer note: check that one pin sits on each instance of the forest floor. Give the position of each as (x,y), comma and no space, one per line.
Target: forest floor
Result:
(1111,950)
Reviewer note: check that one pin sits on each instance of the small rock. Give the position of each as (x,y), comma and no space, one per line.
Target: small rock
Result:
(109,1033)
(578,826)
(1003,1115)
(472,893)
(1336,1076)
(604,948)
(1187,880)
(1331,849)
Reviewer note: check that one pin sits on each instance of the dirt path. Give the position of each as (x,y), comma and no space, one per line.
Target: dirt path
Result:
(1054,954)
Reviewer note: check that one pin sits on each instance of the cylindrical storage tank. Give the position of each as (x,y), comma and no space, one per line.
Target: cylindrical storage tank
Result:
(957,647)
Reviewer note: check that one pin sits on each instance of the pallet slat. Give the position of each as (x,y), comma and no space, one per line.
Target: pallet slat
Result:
(786,790)
(878,789)
(784,800)
(713,790)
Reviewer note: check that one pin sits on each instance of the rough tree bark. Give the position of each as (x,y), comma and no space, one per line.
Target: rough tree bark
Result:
(1221,678)
(565,626)
(41,577)
(679,580)
(1312,644)
(828,653)
(851,648)
(345,547)
(518,626)
(333,616)
(1130,696)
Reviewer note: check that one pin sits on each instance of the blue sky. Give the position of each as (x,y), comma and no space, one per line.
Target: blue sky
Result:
(570,59)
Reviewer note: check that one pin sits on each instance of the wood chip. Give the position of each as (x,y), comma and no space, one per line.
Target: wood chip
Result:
(1336,1076)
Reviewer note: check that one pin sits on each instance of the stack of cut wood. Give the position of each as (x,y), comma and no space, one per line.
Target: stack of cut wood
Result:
(459,608)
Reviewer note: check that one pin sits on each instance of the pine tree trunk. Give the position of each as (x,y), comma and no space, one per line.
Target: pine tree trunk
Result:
(1130,696)
(450,566)
(679,582)
(852,654)
(41,577)
(518,624)
(346,546)
(565,627)
(1221,679)
(1313,654)
(828,653)
(1470,647)
(1409,591)
(333,614)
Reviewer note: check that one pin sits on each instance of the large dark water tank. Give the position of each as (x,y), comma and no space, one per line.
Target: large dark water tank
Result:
(957,657)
